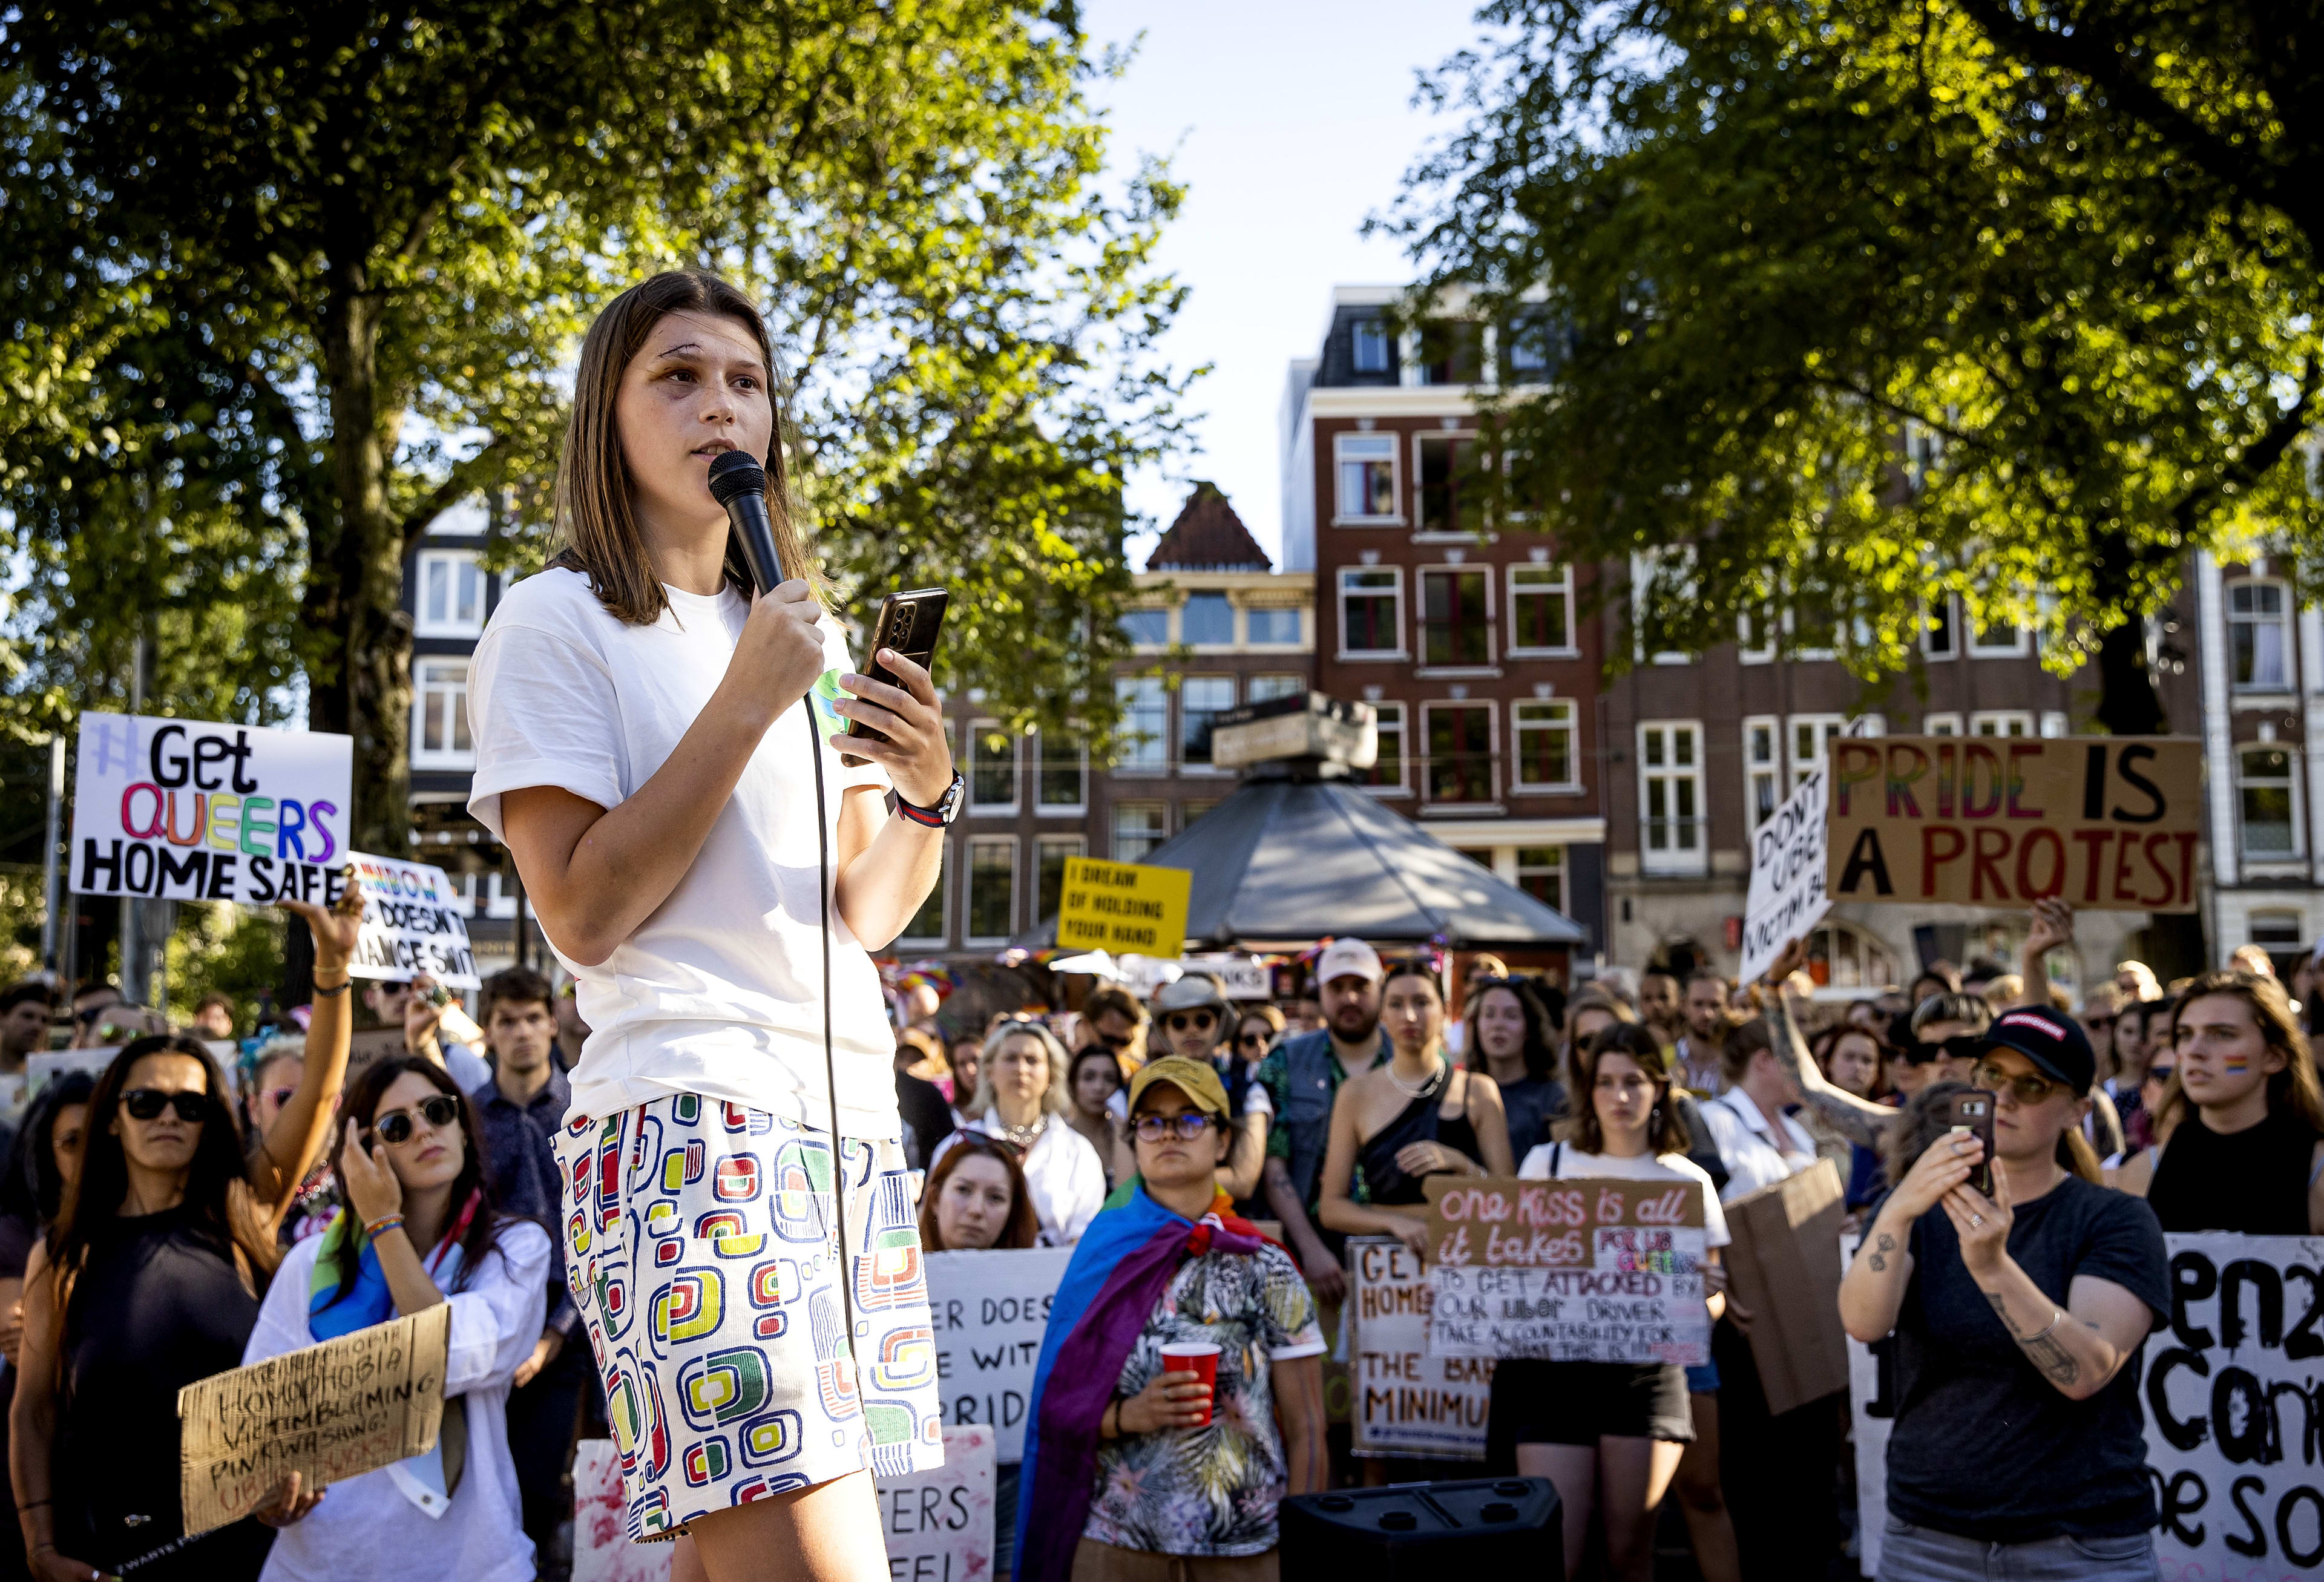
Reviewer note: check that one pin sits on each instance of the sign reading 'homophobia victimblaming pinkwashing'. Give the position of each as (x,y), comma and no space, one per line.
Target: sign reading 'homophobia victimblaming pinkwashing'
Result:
(185,810)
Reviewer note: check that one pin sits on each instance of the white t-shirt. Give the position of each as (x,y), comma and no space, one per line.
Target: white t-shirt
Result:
(1572,1164)
(720,992)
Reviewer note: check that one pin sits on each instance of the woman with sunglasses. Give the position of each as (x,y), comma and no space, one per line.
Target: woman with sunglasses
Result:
(1021,1099)
(151,1279)
(420,1228)
(2240,1130)
(1257,1027)
(1509,1040)
(2018,1447)
(2132,1171)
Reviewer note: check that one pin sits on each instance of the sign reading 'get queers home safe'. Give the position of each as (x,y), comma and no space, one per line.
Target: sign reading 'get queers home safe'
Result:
(2102,822)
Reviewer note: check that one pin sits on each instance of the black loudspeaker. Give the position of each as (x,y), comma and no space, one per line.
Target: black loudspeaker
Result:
(1511,1525)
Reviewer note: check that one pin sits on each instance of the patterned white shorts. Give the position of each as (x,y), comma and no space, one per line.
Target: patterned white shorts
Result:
(700,1249)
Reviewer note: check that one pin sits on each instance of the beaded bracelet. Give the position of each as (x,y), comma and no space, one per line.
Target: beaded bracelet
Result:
(381,1226)
(337,989)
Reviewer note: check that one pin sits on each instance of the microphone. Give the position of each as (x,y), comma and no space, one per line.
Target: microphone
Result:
(739,484)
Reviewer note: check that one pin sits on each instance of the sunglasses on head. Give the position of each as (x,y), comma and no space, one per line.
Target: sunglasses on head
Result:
(395,1127)
(1185,1126)
(147,1104)
(1200,1021)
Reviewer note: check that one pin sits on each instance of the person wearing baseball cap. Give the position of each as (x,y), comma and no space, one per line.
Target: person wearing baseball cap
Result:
(1302,1077)
(1193,1013)
(2023,1299)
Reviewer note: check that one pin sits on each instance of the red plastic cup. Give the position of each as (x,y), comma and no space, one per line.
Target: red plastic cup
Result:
(1199,1357)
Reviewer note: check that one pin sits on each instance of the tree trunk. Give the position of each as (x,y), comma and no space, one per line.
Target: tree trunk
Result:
(2128,704)
(353,604)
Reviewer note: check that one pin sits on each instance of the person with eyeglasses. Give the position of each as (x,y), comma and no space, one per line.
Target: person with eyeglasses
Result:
(420,1227)
(2018,1445)
(2132,1171)
(1256,1028)
(1193,1013)
(1112,1018)
(151,1279)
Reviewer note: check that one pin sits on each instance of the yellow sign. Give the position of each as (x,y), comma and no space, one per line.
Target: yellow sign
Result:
(1123,906)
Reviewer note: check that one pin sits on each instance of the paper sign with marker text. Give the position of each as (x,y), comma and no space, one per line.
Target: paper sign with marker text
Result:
(1121,906)
(411,923)
(1786,896)
(2102,823)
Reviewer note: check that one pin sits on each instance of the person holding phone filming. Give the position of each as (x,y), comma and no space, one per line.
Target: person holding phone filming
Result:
(2018,1449)
(641,725)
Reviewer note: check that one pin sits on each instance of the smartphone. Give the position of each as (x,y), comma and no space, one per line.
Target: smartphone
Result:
(1972,1112)
(908,623)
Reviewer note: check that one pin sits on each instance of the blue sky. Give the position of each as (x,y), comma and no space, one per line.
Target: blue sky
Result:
(1290,121)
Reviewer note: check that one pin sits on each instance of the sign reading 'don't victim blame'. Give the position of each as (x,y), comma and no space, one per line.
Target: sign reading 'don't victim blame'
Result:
(411,923)
(2102,822)
(1123,906)
(187,811)
(1587,1269)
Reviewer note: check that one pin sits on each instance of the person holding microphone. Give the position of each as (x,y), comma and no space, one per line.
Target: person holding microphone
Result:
(639,717)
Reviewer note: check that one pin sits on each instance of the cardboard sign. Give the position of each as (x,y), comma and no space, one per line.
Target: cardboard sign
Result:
(184,811)
(411,923)
(2228,1390)
(1786,897)
(1784,1263)
(1587,1269)
(329,1412)
(1407,1403)
(2107,823)
(1123,906)
(991,1310)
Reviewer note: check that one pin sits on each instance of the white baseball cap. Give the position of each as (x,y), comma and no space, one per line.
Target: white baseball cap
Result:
(1349,957)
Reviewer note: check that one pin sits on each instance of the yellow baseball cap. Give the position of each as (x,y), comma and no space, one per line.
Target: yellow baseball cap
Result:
(1194,1078)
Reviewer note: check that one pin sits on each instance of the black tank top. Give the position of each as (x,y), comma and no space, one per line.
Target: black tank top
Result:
(1419,1122)
(158,1305)
(2253,1180)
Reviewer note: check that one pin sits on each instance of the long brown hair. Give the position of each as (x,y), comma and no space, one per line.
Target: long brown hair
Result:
(361,1107)
(1665,1131)
(2295,1087)
(595,515)
(1023,1228)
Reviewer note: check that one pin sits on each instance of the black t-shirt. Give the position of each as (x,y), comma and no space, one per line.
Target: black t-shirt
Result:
(1985,1448)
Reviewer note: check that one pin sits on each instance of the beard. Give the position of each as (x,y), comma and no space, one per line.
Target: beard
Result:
(1353,1024)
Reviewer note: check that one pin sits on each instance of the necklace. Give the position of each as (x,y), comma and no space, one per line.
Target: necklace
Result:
(1022,1137)
(1426,1084)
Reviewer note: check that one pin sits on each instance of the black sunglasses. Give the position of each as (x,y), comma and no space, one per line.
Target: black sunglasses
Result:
(1258,1038)
(1959,1046)
(1179,1021)
(147,1104)
(394,1129)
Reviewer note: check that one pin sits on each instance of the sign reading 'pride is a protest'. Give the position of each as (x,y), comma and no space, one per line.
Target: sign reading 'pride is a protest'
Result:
(184,811)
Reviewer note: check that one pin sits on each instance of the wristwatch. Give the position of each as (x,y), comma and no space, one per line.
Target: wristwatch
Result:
(948,807)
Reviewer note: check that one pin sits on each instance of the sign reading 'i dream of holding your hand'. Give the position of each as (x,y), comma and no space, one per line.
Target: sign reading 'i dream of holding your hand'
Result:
(2102,823)
(187,811)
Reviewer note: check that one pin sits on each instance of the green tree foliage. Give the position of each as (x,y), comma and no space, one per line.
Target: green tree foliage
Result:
(290,280)
(1847,303)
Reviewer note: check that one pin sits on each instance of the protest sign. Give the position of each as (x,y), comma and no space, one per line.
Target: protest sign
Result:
(1407,1402)
(2105,823)
(411,923)
(1589,1270)
(185,811)
(329,1412)
(2230,1390)
(990,1309)
(1786,896)
(1123,906)
(602,1550)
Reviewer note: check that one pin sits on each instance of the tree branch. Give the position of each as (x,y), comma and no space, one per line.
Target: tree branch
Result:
(458,485)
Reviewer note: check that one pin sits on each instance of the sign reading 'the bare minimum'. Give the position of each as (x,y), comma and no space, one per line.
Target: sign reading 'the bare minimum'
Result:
(2103,823)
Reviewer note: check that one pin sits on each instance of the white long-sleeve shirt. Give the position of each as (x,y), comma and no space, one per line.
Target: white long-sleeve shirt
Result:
(1063,1176)
(365,1530)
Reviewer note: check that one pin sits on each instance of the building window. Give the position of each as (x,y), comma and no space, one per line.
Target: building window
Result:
(1763,767)
(2053,723)
(440,715)
(2000,722)
(1053,851)
(451,594)
(1811,735)
(1541,610)
(1145,723)
(1207,618)
(2264,776)
(1530,348)
(1138,828)
(1280,628)
(1541,874)
(1940,635)
(1264,688)
(2259,640)
(1367,346)
(1840,957)
(1371,610)
(1147,629)
(928,926)
(1202,699)
(1064,778)
(1455,622)
(2277,931)
(1449,351)
(1388,768)
(1995,642)
(1366,464)
(1672,836)
(1545,737)
(1460,751)
(1444,503)
(1940,724)
(991,890)
(991,768)
(1189,812)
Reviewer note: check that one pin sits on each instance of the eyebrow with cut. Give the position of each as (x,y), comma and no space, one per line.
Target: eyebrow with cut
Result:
(697,349)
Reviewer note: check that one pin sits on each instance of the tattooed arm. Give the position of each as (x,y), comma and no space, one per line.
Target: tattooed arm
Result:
(1873,1290)
(2078,1347)
(1859,1120)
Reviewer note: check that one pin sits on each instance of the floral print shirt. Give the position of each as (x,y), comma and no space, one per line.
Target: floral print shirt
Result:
(1210,1491)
